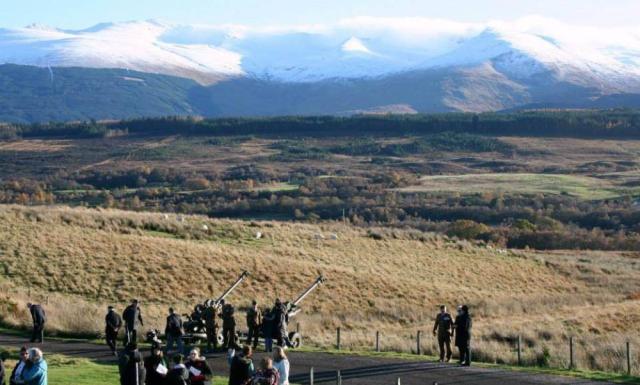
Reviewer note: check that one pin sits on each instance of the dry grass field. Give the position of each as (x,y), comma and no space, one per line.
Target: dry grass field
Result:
(77,261)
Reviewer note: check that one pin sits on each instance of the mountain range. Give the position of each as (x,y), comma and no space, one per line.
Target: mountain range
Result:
(359,65)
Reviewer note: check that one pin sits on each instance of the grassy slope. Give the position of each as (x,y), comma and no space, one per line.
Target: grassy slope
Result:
(80,260)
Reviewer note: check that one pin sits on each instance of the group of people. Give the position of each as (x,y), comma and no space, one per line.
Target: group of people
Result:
(194,369)
(31,368)
(446,327)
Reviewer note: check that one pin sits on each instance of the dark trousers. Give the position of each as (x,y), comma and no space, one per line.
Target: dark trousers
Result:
(212,337)
(253,334)
(444,343)
(229,335)
(283,340)
(465,354)
(111,336)
(37,335)
(130,335)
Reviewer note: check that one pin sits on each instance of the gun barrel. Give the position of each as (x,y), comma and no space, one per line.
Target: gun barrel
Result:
(238,281)
(320,280)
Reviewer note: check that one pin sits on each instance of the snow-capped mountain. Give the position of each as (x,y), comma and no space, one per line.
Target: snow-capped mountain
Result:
(459,66)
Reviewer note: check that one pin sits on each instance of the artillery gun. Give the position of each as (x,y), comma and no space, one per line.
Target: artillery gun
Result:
(195,327)
(292,309)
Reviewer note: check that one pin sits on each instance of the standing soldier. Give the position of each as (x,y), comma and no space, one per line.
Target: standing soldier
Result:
(254,318)
(174,331)
(39,319)
(443,328)
(132,317)
(463,335)
(229,326)
(280,320)
(210,325)
(113,323)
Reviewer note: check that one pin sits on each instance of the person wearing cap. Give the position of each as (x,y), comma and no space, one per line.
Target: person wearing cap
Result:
(39,319)
(443,329)
(113,323)
(132,317)
(462,327)
(16,374)
(174,331)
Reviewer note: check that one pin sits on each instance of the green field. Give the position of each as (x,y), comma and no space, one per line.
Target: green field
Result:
(584,187)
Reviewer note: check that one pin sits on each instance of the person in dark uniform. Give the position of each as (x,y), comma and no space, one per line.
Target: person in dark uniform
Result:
(210,325)
(443,328)
(229,326)
(267,329)
(39,319)
(113,323)
(281,318)
(463,335)
(174,331)
(254,320)
(132,317)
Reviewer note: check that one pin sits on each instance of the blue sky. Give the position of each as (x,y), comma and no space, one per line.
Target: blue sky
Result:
(84,13)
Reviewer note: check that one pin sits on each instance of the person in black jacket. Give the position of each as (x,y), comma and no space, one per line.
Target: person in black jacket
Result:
(113,323)
(130,364)
(174,331)
(240,366)
(132,317)
(267,329)
(152,367)
(463,335)
(443,328)
(179,374)
(39,319)
(16,374)
(281,318)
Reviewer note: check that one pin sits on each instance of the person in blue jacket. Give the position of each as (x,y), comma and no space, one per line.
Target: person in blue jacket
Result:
(35,373)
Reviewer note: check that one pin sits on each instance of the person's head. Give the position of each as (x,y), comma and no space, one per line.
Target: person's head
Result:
(29,304)
(222,302)
(278,302)
(156,350)
(24,353)
(134,302)
(35,355)
(247,351)
(459,309)
(171,310)
(254,303)
(443,309)
(4,355)
(109,308)
(279,354)
(194,354)
(178,359)
(465,309)
(266,363)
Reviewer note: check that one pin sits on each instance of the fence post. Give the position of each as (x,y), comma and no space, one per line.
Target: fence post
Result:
(338,338)
(338,378)
(377,341)
(298,327)
(519,350)
(418,344)
(571,363)
(628,358)
(311,376)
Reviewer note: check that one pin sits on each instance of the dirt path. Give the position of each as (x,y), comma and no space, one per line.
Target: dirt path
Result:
(355,370)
